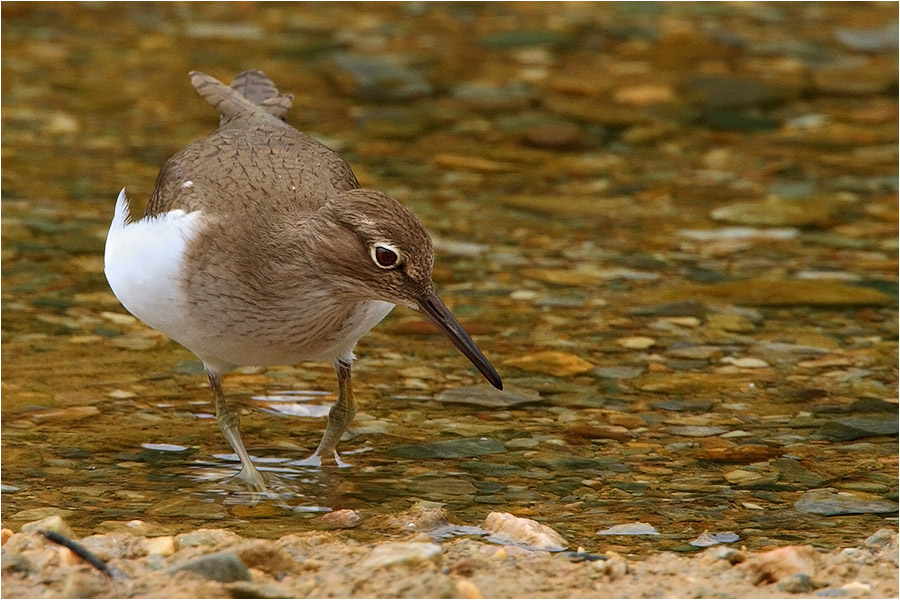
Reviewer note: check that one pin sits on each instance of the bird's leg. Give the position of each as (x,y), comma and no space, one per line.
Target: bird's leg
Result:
(228,423)
(339,418)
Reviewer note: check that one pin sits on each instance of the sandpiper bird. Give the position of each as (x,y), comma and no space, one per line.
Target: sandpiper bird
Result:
(259,247)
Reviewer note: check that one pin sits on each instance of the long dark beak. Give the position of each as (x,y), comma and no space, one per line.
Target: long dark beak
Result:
(438,313)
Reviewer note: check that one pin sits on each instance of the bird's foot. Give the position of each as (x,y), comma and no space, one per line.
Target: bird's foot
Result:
(315,461)
(254,479)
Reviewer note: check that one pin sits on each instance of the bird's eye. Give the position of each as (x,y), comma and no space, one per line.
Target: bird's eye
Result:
(385,256)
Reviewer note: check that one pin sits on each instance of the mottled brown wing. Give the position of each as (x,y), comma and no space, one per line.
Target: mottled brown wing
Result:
(254,159)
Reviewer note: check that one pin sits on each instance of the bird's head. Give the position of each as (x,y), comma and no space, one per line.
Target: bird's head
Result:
(384,253)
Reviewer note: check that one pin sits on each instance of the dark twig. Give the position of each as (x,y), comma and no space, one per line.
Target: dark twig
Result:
(84,554)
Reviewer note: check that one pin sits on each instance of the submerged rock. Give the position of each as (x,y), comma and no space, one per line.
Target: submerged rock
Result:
(379,78)
(775,212)
(828,502)
(695,430)
(461,448)
(734,92)
(630,529)
(842,430)
(552,362)
(783,292)
(488,396)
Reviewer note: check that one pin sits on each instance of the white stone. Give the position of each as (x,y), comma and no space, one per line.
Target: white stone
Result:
(524,532)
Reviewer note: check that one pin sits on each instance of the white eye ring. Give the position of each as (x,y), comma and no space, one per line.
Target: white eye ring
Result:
(386,256)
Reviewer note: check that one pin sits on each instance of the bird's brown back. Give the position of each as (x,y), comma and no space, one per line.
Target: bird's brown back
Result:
(253,160)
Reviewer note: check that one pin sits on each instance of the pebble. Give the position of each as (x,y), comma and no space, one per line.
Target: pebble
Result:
(853,76)
(828,502)
(731,555)
(679,405)
(706,539)
(520,531)
(466,589)
(71,413)
(441,487)
(42,512)
(798,583)
(206,537)
(852,428)
(644,95)
(551,362)
(746,362)
(134,526)
(163,545)
(578,434)
(244,32)
(401,553)
(882,38)
(53,523)
(699,352)
(488,96)
(614,567)
(483,395)
(618,372)
(741,477)
(792,471)
(740,454)
(162,454)
(636,342)
(883,538)
(695,430)
(630,529)
(734,92)
(340,519)
(739,233)
(223,567)
(468,163)
(856,589)
(624,419)
(556,134)
(730,322)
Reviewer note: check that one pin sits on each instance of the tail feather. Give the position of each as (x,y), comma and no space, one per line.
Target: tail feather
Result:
(122,215)
(250,92)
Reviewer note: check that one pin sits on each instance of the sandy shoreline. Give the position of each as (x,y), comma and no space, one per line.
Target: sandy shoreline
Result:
(219,563)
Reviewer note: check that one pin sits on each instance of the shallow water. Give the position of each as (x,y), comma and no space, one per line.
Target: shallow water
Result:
(672,229)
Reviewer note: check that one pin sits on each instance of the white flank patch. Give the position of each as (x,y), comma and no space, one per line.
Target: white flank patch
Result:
(143,264)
